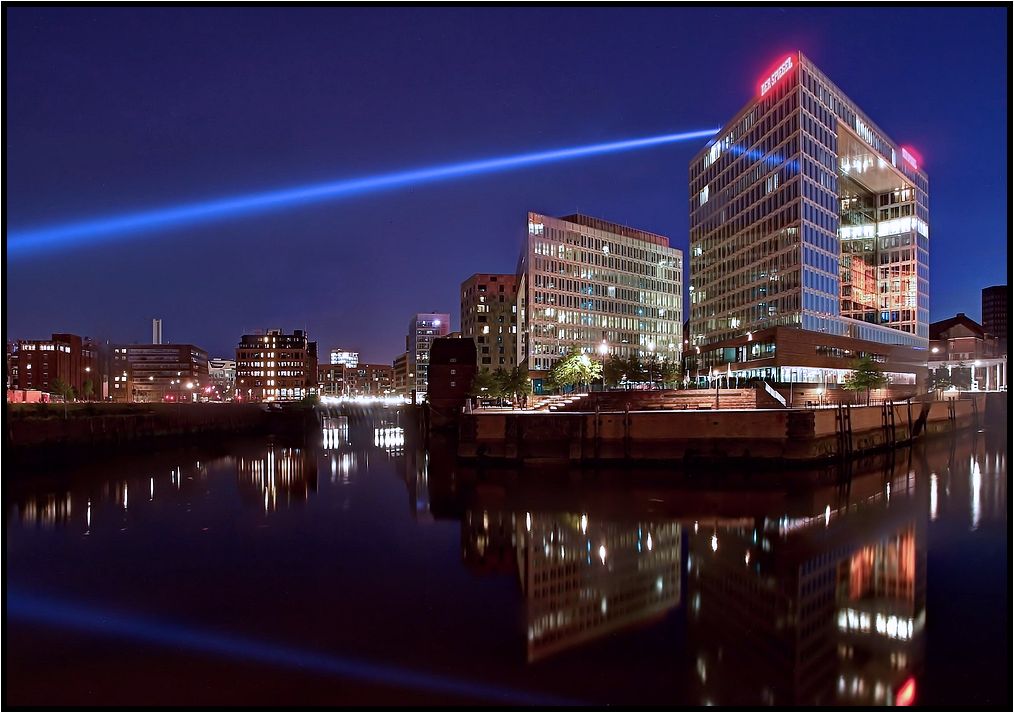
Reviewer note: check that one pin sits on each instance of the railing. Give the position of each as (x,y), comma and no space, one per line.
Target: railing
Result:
(774,394)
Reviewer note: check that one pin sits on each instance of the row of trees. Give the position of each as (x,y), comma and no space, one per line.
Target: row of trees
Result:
(577,369)
(65,390)
(513,384)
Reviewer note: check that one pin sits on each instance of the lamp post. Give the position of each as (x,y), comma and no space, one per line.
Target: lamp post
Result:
(651,364)
(603,349)
(697,361)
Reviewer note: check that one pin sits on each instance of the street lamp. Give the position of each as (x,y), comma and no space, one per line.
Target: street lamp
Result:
(603,349)
(651,360)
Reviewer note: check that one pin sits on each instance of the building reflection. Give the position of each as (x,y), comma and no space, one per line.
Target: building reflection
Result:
(46,511)
(813,608)
(279,477)
(814,594)
(582,577)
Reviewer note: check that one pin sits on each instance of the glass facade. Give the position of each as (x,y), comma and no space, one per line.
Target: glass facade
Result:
(803,214)
(583,281)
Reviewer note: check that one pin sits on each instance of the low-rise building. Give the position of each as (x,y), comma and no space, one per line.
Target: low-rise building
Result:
(40,364)
(153,373)
(275,366)
(960,344)
(402,371)
(222,375)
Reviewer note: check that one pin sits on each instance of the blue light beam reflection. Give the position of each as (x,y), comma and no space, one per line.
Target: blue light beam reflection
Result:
(35,240)
(54,612)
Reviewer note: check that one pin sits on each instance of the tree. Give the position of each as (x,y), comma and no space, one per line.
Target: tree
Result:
(574,368)
(63,389)
(87,390)
(514,384)
(669,371)
(483,385)
(637,370)
(614,371)
(866,375)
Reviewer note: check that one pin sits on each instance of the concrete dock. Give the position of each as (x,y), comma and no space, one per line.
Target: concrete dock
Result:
(774,435)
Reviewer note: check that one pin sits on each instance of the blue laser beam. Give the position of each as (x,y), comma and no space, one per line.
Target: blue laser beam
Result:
(33,240)
(55,612)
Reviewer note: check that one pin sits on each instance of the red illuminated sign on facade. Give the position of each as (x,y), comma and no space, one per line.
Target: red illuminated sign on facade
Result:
(777,74)
(911,157)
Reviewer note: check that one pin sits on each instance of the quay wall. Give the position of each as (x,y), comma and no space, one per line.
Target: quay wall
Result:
(34,432)
(777,435)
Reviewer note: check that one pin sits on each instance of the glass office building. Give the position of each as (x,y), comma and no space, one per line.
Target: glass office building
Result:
(584,282)
(805,214)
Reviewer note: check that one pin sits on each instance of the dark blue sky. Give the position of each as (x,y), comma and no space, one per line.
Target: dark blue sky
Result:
(113,110)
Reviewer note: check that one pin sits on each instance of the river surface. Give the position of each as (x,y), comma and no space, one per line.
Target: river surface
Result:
(360,568)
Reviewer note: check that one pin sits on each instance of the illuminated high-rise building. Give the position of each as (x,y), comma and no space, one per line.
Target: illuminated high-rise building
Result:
(423,328)
(602,287)
(806,216)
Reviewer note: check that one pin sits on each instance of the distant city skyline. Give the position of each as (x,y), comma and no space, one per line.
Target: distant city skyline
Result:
(203,111)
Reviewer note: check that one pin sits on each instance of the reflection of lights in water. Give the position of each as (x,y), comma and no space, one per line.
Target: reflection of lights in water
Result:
(88,515)
(389,438)
(151,489)
(584,523)
(714,543)
(604,606)
(125,496)
(891,626)
(933,496)
(659,585)
(906,694)
(648,542)
(976,488)
(827,515)
(485,520)
(602,553)
(746,558)
(695,527)
(528,521)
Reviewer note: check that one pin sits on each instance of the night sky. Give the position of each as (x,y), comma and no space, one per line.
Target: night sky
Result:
(111,110)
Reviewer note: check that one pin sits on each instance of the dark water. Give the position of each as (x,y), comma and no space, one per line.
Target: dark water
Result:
(368,571)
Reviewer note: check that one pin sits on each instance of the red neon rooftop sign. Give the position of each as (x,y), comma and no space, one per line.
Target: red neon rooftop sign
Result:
(910,157)
(774,76)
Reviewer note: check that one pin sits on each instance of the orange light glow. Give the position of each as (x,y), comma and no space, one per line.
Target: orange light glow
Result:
(906,694)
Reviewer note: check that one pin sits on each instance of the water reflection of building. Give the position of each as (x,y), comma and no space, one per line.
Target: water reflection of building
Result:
(815,608)
(281,474)
(582,577)
(46,510)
